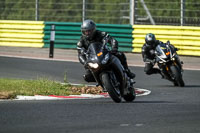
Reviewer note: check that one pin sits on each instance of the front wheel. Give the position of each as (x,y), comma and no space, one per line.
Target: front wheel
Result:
(176,73)
(110,87)
(131,95)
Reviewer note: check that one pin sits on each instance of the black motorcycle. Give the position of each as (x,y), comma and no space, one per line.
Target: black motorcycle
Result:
(109,73)
(166,58)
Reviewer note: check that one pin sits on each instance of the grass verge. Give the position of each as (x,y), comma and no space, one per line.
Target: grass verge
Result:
(10,88)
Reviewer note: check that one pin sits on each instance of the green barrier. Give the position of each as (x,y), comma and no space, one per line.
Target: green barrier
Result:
(68,34)
(185,38)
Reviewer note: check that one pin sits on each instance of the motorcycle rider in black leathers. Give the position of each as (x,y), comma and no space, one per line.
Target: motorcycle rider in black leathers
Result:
(90,35)
(148,54)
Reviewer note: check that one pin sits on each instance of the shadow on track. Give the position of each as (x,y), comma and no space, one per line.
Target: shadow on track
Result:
(192,86)
(158,102)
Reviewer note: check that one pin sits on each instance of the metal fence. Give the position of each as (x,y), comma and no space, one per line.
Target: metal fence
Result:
(151,12)
(170,12)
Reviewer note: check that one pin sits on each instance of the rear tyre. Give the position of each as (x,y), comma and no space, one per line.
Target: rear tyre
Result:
(176,73)
(110,87)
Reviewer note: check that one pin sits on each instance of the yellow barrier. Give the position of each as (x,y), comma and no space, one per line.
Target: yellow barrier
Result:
(186,38)
(21,33)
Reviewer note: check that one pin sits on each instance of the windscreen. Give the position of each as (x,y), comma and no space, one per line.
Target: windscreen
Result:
(162,50)
(95,48)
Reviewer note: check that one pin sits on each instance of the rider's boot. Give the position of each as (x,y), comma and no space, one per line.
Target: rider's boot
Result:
(130,74)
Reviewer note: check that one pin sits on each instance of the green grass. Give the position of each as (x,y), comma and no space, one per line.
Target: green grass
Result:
(10,88)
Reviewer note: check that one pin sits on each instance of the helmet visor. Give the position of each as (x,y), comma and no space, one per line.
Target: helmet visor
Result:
(88,32)
(150,42)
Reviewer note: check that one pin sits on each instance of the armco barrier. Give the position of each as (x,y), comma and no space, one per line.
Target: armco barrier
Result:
(130,38)
(21,33)
(185,38)
(68,34)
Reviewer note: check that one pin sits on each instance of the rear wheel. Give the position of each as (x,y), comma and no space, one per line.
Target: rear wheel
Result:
(110,87)
(176,73)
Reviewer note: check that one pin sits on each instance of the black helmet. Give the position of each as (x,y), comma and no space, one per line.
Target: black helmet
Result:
(88,29)
(150,39)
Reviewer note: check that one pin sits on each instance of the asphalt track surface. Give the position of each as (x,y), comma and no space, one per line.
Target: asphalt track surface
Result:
(167,109)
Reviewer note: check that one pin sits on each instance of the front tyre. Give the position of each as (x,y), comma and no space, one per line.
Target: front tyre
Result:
(176,73)
(131,95)
(110,87)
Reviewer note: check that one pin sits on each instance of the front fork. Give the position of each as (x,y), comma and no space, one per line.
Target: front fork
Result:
(165,70)
(170,76)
